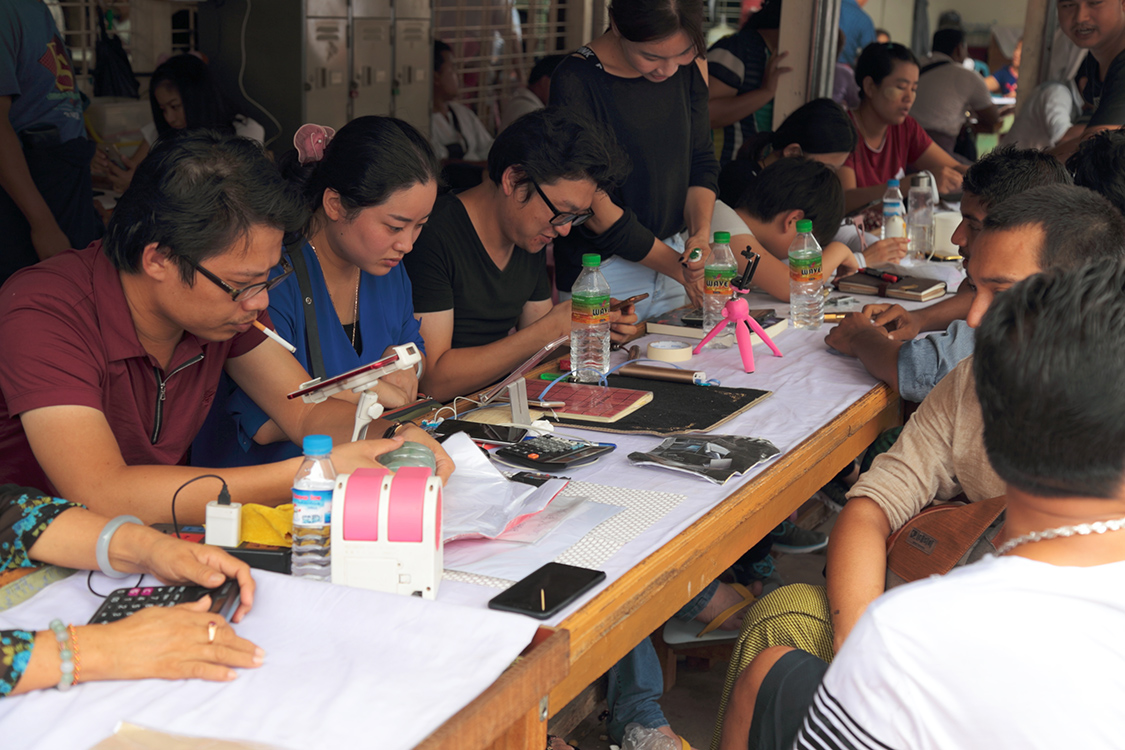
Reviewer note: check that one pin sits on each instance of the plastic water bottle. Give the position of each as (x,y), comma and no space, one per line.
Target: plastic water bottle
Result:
(717,276)
(894,214)
(589,322)
(920,223)
(312,510)
(806,280)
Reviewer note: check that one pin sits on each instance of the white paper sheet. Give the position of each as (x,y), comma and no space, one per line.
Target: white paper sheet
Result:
(344,668)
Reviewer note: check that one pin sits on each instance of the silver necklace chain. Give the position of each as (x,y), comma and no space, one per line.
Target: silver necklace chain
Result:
(1082,529)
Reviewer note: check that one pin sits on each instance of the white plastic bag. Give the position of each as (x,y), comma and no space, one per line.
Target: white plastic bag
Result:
(480,502)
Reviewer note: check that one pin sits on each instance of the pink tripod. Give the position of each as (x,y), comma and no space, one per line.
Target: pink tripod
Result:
(736,311)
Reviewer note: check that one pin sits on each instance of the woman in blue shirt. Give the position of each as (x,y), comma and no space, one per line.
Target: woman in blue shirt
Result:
(370,189)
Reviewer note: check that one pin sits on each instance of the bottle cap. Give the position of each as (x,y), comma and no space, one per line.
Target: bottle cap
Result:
(804,226)
(722,237)
(892,183)
(591,260)
(317,445)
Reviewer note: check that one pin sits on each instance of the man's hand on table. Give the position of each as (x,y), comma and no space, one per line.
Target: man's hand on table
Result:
(899,323)
(851,330)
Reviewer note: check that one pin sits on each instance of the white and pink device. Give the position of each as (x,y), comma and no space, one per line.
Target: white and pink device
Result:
(386,531)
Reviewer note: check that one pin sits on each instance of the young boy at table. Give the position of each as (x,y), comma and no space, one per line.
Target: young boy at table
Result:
(883,336)
(1016,650)
(940,453)
(764,219)
(128,339)
(478,268)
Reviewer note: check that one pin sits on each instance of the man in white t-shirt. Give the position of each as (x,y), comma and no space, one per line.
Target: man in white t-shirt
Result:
(948,93)
(1018,650)
(764,219)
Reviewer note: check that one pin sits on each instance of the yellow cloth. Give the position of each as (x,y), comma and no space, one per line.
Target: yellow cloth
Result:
(262,524)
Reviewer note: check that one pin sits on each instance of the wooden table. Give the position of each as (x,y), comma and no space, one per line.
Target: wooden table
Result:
(512,713)
(635,605)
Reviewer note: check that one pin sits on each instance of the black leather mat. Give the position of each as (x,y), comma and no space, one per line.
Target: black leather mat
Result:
(675,407)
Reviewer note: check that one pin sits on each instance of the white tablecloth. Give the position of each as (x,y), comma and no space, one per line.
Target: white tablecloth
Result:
(811,385)
(344,668)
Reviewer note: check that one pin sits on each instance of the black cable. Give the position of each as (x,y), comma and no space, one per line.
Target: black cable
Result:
(223,499)
(90,585)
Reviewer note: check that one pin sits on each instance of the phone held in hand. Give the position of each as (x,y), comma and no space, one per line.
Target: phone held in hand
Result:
(547,591)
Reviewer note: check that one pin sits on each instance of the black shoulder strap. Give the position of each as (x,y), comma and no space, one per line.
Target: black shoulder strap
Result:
(931,66)
(312,335)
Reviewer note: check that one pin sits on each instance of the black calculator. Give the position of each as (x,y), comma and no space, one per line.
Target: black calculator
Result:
(124,602)
(550,453)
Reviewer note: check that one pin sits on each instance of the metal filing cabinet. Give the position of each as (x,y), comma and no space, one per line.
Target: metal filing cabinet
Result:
(372,58)
(413,63)
(326,70)
(322,61)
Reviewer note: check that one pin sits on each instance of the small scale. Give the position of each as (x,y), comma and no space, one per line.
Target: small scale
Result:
(551,453)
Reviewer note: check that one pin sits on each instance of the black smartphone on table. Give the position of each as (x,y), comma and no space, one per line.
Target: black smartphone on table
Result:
(547,591)
(480,432)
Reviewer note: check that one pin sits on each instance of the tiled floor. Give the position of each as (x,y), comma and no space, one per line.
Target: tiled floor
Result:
(692,705)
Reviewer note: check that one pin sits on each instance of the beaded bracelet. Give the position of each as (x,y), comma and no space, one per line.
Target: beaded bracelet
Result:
(74,648)
(101,552)
(65,637)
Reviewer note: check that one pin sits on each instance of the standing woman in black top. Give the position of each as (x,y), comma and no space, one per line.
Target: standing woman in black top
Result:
(646,79)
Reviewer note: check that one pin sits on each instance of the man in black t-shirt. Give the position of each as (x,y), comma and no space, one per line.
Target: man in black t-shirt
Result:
(477,269)
(1099,26)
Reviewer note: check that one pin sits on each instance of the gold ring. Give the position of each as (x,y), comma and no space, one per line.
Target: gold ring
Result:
(212,628)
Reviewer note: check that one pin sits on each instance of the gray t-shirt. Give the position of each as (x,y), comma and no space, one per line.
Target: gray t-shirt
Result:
(945,93)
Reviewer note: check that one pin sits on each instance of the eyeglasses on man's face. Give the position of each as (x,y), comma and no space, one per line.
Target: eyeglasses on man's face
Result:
(562,218)
(245,293)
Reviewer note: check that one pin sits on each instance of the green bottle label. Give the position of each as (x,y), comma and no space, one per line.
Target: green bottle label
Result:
(804,270)
(717,281)
(589,310)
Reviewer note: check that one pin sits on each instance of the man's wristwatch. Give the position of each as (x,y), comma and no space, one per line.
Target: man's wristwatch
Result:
(393,430)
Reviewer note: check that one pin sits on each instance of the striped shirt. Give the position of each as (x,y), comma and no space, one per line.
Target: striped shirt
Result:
(739,61)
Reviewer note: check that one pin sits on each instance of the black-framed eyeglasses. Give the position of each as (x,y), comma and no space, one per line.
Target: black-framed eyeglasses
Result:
(562,218)
(245,293)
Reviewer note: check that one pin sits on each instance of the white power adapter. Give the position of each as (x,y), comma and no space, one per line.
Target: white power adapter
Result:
(224,524)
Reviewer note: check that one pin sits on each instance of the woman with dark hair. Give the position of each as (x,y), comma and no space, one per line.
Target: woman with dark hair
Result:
(819,131)
(889,139)
(645,80)
(369,190)
(182,94)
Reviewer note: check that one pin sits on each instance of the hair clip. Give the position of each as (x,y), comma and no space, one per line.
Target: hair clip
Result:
(311,140)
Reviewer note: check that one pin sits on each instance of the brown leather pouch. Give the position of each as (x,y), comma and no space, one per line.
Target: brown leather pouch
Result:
(943,537)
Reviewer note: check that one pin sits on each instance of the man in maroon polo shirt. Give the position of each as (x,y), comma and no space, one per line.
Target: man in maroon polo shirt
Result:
(112,354)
